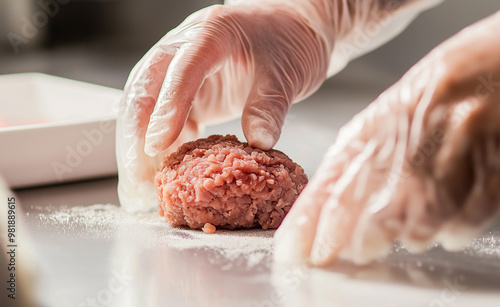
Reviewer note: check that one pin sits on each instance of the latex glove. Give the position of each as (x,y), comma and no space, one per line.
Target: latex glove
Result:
(420,164)
(248,59)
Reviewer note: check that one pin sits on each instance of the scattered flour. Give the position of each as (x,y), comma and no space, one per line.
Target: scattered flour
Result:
(95,217)
(109,222)
(486,245)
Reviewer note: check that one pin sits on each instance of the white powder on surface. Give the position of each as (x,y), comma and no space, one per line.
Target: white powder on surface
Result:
(486,245)
(95,217)
(110,222)
(251,247)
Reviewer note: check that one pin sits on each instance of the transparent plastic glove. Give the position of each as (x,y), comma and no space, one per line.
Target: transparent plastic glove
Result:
(251,59)
(420,164)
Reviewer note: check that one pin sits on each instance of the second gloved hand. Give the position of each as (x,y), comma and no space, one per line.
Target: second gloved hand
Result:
(420,164)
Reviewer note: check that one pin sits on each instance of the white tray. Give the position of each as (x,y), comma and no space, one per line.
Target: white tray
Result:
(54,130)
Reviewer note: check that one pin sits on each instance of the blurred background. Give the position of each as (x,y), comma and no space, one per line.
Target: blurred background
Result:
(99,41)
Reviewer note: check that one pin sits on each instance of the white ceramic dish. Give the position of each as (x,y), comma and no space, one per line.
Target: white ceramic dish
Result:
(54,129)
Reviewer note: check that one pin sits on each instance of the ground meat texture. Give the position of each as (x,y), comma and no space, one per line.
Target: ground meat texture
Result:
(226,183)
(208,228)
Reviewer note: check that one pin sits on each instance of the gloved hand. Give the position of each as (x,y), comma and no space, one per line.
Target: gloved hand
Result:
(251,59)
(420,164)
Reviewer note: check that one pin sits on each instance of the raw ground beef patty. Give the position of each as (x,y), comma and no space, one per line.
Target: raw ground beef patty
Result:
(229,184)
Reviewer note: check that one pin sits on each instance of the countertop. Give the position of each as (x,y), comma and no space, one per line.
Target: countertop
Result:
(91,253)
